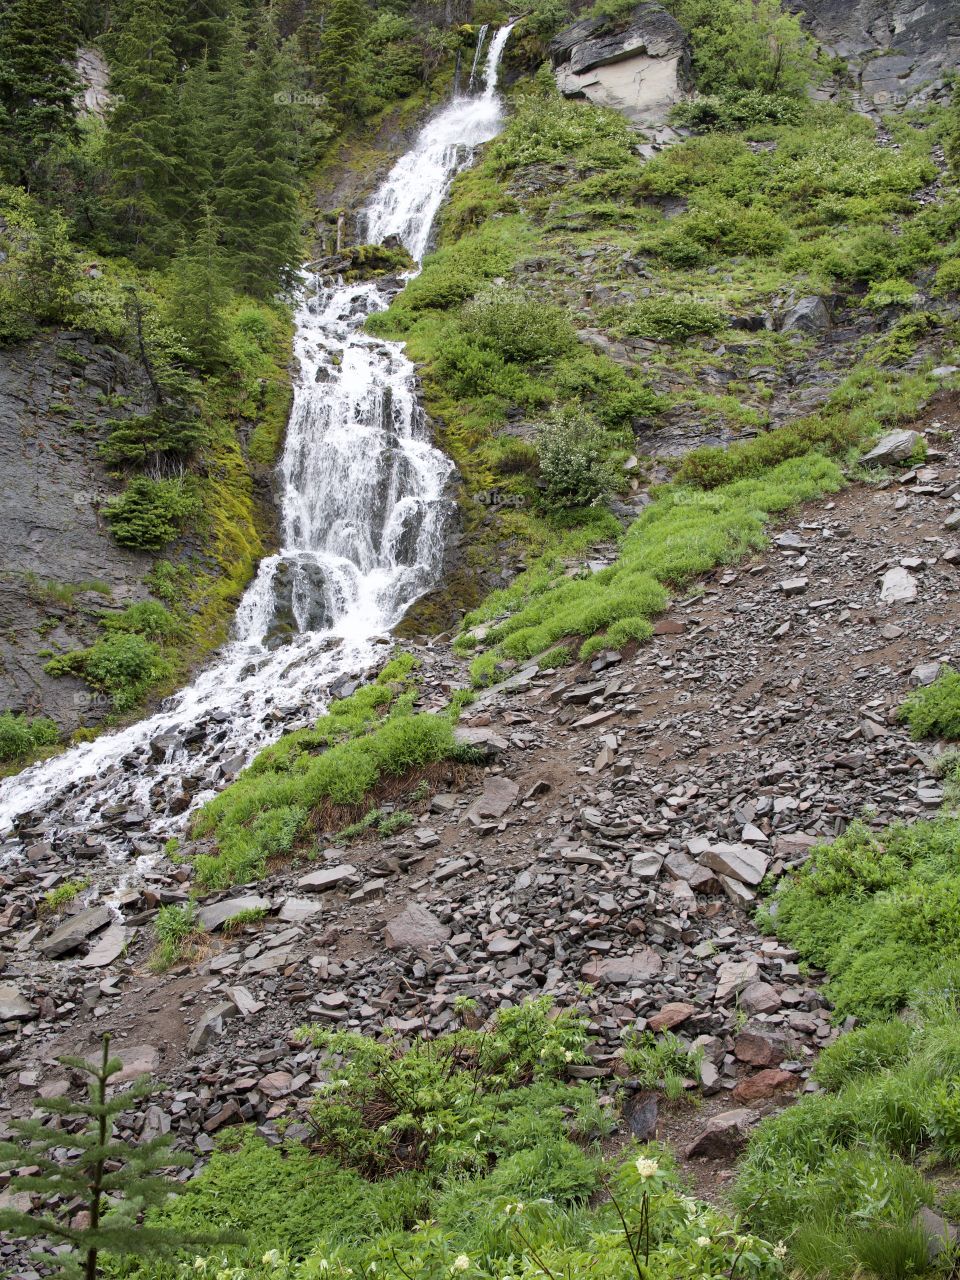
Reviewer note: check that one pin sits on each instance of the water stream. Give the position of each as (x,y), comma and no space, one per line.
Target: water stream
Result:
(363,506)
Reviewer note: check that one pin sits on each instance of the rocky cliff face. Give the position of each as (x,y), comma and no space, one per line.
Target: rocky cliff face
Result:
(59,564)
(639,65)
(898,50)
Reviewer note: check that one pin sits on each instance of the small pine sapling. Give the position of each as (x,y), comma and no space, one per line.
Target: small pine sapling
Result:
(116,1181)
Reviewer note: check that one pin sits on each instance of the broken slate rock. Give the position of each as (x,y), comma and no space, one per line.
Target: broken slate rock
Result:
(415,927)
(218,913)
(899,586)
(638,966)
(108,946)
(320,881)
(738,861)
(13,1006)
(74,931)
(211,1024)
(498,795)
(485,742)
(896,446)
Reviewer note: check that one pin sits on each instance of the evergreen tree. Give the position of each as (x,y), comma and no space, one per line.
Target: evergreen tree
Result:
(198,296)
(38,85)
(257,203)
(147,186)
(340,57)
(199,30)
(100,1173)
(196,138)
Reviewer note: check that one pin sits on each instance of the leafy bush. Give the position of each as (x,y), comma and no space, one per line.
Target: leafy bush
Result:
(863,1051)
(146,618)
(21,735)
(547,129)
(654,1059)
(151,513)
(39,270)
(747,45)
(125,665)
(738,109)
(673,319)
(720,228)
(177,933)
(948,278)
(522,329)
(933,711)
(575,463)
(890,293)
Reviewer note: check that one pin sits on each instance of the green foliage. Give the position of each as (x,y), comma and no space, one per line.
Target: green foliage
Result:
(546,129)
(146,618)
(522,329)
(21,736)
(99,1172)
(574,458)
(177,932)
(737,109)
(38,85)
(447,1106)
(890,293)
(747,45)
(38,266)
(238,922)
(933,711)
(833,1174)
(673,319)
(655,1058)
(124,664)
(880,913)
(149,514)
(863,1051)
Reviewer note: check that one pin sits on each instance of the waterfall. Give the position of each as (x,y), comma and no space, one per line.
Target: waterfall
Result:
(481,37)
(363,510)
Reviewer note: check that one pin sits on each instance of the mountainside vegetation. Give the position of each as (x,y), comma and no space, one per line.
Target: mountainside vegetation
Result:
(586,304)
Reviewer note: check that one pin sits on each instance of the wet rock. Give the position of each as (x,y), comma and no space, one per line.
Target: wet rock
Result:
(640,1110)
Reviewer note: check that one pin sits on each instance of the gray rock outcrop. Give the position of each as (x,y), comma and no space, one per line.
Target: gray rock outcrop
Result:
(898,50)
(639,66)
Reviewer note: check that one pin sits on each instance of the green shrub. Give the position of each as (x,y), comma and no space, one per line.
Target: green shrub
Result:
(673,319)
(124,664)
(151,513)
(720,228)
(654,1058)
(948,278)
(575,463)
(520,328)
(177,933)
(21,736)
(933,711)
(735,110)
(890,293)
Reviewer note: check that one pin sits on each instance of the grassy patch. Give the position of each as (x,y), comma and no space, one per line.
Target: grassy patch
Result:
(55,900)
(178,937)
(22,737)
(934,711)
(879,912)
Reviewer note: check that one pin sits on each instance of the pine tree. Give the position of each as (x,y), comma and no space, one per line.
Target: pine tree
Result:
(38,85)
(257,203)
(198,296)
(340,55)
(199,30)
(147,179)
(100,1172)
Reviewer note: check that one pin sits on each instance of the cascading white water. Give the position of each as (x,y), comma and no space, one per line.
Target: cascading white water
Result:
(481,40)
(363,514)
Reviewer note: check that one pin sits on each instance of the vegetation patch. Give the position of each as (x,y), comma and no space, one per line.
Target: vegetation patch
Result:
(22,737)
(934,710)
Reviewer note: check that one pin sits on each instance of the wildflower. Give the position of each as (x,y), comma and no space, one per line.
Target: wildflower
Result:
(647,1168)
(703,1242)
(779,1249)
(271,1258)
(568,1056)
(199,1264)
(460,1263)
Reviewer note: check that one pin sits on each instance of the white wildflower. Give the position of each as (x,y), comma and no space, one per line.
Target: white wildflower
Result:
(647,1168)
(703,1242)
(271,1258)
(460,1263)
(779,1249)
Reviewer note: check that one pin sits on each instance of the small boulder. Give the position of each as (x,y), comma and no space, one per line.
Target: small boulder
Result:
(895,446)
(809,315)
(723,1135)
(415,927)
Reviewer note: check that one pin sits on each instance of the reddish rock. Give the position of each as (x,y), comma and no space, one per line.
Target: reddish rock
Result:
(765,1084)
(759,1049)
(671,1015)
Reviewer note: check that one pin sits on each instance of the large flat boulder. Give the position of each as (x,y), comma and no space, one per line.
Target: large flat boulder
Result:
(639,65)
